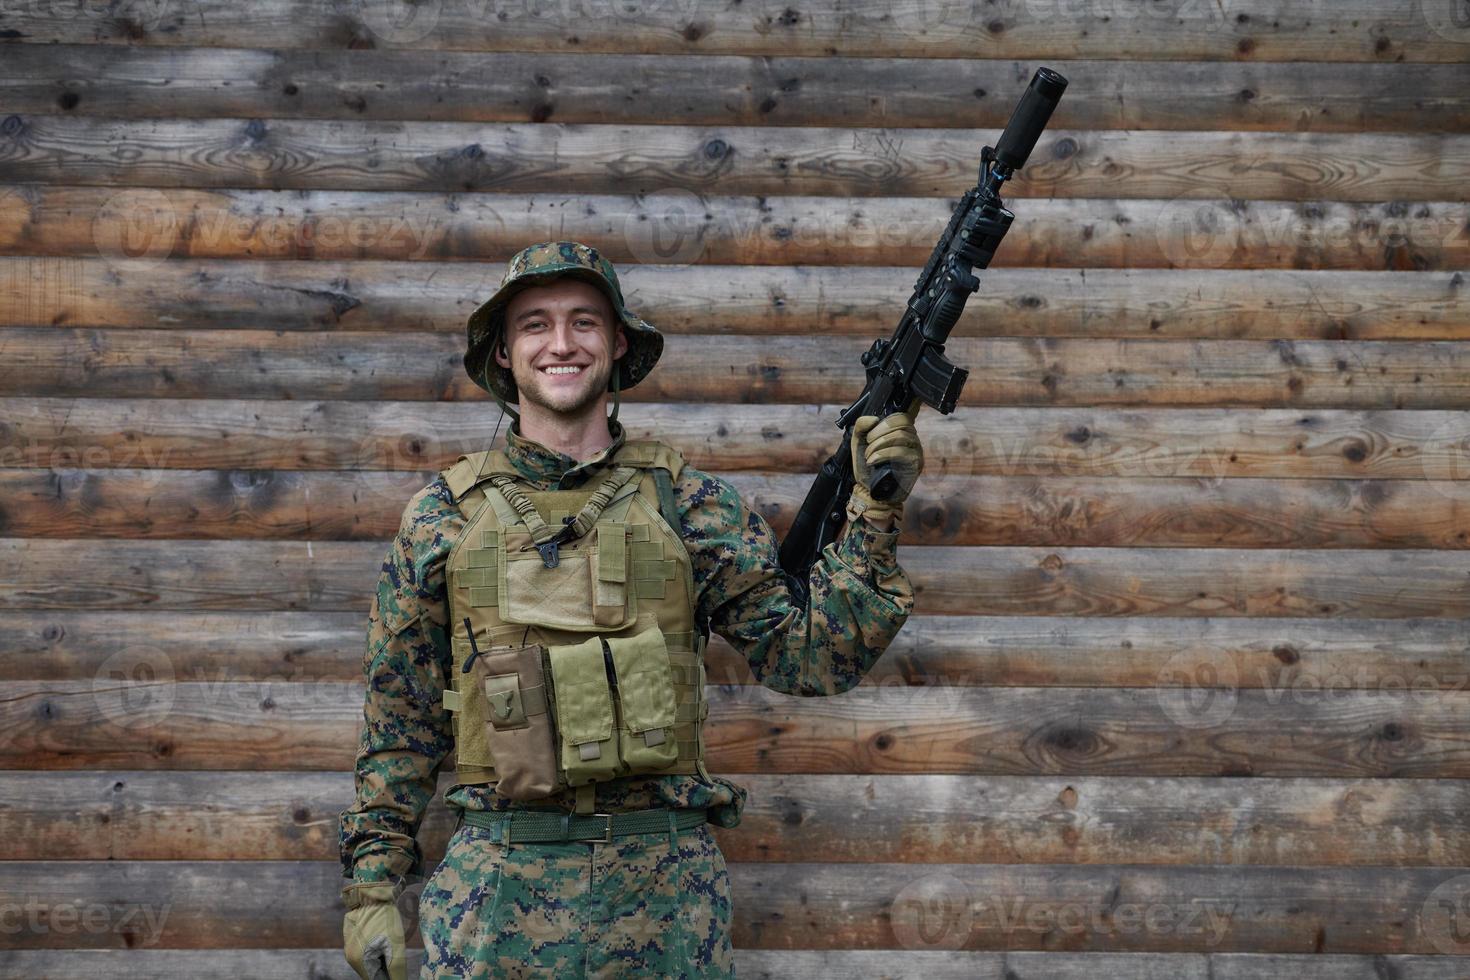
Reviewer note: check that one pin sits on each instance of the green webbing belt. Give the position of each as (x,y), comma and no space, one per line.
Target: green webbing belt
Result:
(543,826)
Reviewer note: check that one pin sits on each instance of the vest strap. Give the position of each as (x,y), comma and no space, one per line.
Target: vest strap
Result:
(541,532)
(663,484)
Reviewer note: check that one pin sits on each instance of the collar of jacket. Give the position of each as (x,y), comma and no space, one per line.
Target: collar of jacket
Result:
(553,469)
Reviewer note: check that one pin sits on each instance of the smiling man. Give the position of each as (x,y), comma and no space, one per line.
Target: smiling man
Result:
(544,613)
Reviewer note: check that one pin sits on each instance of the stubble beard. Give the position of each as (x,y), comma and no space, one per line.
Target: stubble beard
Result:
(593,382)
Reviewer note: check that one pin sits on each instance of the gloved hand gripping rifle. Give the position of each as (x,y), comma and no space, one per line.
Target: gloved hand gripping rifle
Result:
(912,362)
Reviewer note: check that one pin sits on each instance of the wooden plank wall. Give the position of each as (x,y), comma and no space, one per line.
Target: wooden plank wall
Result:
(1185,693)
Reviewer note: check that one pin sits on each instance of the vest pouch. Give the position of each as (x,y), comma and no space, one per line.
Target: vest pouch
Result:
(584,712)
(645,689)
(517,722)
(587,590)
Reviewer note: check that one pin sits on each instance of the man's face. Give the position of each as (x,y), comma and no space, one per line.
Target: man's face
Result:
(563,339)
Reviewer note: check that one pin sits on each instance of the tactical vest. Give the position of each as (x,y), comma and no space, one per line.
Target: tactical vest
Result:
(620,570)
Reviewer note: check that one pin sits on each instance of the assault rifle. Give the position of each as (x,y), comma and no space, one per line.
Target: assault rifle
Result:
(912,363)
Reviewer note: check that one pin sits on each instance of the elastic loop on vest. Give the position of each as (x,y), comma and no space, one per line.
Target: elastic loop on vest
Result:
(586,518)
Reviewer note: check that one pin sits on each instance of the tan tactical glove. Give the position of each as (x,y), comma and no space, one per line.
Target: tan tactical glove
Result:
(894,441)
(372,932)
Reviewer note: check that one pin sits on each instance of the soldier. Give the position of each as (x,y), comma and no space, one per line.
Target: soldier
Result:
(544,612)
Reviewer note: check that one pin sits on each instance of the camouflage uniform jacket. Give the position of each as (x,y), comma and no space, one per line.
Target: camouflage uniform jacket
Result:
(859,598)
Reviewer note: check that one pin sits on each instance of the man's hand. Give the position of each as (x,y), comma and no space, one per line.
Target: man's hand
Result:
(372,932)
(894,441)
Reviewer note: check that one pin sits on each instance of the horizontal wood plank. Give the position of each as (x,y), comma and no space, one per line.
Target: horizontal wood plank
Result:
(340,576)
(908,964)
(1221,304)
(123,82)
(133,815)
(234,904)
(347,155)
(680,227)
(159,434)
(798,369)
(1181,728)
(1265,653)
(1251,30)
(948,506)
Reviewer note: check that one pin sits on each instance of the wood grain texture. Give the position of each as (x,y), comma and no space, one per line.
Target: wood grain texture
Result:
(174,433)
(1246,30)
(1264,653)
(1187,582)
(1218,304)
(347,155)
(1185,695)
(118,82)
(132,815)
(793,370)
(680,227)
(780,906)
(1181,728)
(949,506)
(928,964)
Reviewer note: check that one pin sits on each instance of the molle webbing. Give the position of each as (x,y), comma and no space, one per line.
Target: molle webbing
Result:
(628,513)
(652,573)
(688,716)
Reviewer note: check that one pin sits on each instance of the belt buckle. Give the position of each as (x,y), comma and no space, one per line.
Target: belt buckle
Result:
(607,837)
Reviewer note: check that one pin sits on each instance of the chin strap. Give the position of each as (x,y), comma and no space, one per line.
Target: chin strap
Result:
(500,401)
(617,383)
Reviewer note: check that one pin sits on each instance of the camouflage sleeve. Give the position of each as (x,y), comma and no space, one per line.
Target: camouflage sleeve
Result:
(406,733)
(858,596)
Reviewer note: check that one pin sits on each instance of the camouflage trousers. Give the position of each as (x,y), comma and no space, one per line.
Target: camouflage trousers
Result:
(637,907)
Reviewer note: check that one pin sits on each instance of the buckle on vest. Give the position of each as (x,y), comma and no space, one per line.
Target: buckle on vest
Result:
(550,551)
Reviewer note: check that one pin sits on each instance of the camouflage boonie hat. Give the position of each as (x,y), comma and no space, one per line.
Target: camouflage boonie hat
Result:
(536,266)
